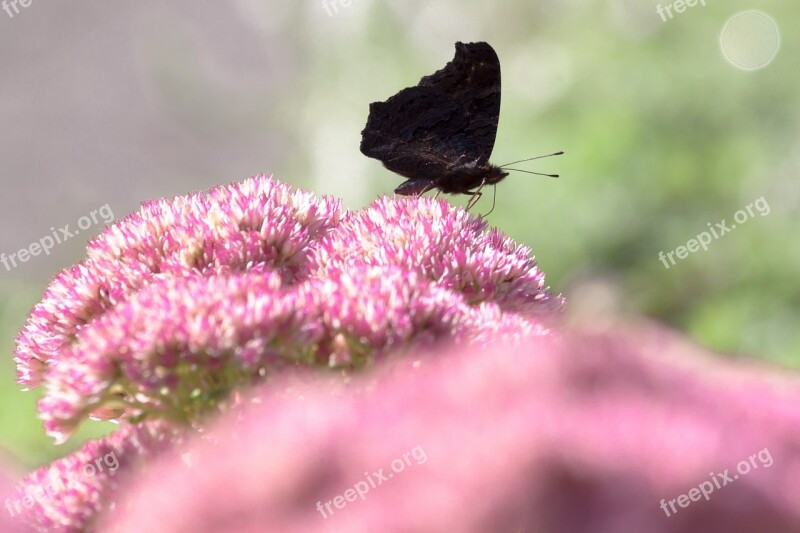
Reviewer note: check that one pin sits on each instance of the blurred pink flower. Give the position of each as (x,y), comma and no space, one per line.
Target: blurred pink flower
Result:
(587,432)
(8,522)
(68,495)
(184,303)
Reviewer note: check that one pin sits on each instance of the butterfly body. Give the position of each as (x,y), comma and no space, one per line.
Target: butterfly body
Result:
(440,133)
(461,180)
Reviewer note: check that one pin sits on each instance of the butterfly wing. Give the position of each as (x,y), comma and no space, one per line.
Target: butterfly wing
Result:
(449,119)
(405,132)
(472,80)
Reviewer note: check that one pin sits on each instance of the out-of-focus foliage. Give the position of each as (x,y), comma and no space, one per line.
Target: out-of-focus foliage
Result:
(663,136)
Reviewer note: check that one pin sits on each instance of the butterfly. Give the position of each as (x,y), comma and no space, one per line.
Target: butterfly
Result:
(440,133)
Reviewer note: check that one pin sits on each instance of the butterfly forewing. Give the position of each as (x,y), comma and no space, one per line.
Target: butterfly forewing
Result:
(441,131)
(472,82)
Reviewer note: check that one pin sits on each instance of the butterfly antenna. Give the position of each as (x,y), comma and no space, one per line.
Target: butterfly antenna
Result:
(537,173)
(532,158)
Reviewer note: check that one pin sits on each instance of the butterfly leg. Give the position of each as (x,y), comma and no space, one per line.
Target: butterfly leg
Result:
(474,200)
(475,196)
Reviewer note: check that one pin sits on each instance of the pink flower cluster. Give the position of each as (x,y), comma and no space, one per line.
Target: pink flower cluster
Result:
(178,306)
(181,308)
(584,432)
(69,494)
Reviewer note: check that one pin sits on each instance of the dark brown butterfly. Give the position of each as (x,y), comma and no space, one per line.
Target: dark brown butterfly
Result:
(440,133)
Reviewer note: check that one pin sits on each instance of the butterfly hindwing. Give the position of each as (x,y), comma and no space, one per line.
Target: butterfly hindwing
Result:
(401,132)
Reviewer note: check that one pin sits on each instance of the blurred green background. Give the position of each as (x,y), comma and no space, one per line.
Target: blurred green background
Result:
(664,134)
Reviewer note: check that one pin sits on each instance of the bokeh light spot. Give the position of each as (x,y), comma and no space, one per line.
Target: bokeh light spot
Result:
(750,40)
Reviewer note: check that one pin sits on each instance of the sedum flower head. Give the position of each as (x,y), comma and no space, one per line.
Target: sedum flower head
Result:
(178,306)
(258,225)
(442,243)
(70,493)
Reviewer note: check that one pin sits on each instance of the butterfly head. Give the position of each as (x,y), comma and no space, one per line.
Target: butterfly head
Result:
(494,175)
